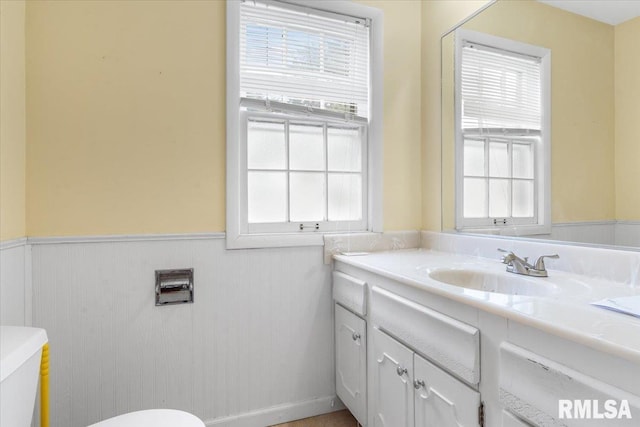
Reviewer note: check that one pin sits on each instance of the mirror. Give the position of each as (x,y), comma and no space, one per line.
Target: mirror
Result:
(594,114)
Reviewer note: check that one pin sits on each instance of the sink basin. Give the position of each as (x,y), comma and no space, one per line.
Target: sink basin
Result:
(505,283)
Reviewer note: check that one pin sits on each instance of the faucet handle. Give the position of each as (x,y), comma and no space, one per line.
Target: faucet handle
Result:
(506,259)
(510,256)
(540,262)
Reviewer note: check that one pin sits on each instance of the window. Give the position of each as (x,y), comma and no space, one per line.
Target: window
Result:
(303,121)
(502,134)
(319,162)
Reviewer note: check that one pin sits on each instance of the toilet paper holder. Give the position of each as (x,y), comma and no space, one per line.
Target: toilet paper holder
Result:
(174,286)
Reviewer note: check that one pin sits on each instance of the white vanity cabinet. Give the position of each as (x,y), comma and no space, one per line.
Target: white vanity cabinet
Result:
(536,366)
(387,383)
(509,420)
(441,400)
(410,391)
(351,343)
(526,379)
(392,396)
(351,362)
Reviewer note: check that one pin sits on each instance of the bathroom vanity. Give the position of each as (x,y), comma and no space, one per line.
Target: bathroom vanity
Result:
(431,338)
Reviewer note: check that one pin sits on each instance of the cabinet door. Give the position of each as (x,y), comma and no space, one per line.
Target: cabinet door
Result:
(441,400)
(392,383)
(351,362)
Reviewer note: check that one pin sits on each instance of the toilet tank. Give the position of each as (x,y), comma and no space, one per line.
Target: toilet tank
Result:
(20,351)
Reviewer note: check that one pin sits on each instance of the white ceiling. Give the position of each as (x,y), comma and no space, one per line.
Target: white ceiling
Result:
(612,12)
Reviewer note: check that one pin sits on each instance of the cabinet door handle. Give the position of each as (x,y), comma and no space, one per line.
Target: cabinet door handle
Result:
(417,384)
(401,371)
(355,336)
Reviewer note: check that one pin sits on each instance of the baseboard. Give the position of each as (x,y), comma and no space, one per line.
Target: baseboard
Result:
(280,414)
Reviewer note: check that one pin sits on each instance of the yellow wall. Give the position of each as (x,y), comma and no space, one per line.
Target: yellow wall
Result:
(12,120)
(126,116)
(448,133)
(627,71)
(437,18)
(402,105)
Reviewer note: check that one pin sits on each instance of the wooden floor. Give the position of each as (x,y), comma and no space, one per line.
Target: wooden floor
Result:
(335,419)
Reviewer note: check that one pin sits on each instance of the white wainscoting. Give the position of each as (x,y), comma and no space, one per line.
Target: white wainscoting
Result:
(15,283)
(255,348)
(628,233)
(597,233)
(619,233)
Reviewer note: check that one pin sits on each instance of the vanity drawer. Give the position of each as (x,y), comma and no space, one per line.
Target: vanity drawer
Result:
(508,420)
(452,344)
(531,387)
(349,292)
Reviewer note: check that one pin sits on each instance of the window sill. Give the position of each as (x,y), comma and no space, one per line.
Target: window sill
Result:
(515,230)
(277,240)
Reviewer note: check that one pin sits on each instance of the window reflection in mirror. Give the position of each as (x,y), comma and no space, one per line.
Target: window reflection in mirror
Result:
(502,142)
(595,96)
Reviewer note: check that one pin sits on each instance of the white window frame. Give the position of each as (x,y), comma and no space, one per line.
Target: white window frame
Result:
(237,234)
(542,156)
(291,227)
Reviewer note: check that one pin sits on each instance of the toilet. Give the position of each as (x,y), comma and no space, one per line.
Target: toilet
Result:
(152,418)
(20,353)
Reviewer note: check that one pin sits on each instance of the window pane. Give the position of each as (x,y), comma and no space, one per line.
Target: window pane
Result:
(306,147)
(523,160)
(345,197)
(499,88)
(267,196)
(307,196)
(499,196)
(523,199)
(344,149)
(265,145)
(304,57)
(474,157)
(264,45)
(475,198)
(498,159)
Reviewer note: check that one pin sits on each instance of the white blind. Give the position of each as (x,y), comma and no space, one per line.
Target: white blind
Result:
(500,89)
(302,56)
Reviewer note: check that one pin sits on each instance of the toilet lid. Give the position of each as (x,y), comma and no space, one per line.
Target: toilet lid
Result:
(152,418)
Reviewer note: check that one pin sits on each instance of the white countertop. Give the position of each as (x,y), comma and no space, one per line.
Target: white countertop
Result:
(566,312)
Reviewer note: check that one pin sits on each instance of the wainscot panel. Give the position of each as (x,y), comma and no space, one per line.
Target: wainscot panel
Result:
(255,347)
(15,289)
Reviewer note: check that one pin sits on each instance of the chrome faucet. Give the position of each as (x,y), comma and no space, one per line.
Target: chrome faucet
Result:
(518,265)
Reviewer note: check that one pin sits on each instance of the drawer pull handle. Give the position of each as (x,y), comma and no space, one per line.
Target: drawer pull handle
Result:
(401,371)
(355,336)
(417,384)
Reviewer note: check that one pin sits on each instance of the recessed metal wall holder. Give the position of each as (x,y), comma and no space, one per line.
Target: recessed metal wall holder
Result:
(174,286)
